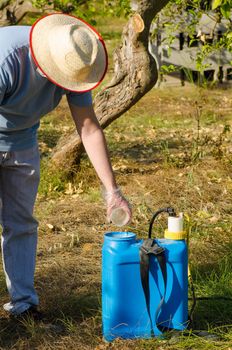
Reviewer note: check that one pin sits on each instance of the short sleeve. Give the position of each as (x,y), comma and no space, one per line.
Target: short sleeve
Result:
(3,85)
(80,99)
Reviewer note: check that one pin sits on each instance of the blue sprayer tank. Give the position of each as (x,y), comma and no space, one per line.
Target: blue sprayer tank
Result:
(126,311)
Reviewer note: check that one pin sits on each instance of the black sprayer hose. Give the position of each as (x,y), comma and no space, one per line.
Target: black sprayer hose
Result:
(169,210)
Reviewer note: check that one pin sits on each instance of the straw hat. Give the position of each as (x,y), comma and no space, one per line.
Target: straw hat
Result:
(68,51)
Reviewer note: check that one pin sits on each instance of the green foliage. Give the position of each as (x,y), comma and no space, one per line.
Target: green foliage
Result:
(216,3)
(183,16)
(224,6)
(89,10)
(85,9)
(119,8)
(167,69)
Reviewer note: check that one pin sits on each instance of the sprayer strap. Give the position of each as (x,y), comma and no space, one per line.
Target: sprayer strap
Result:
(148,248)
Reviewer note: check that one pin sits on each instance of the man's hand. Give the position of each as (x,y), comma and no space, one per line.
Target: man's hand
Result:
(115,200)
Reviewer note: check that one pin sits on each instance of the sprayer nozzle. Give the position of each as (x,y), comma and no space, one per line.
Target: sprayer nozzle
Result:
(171,211)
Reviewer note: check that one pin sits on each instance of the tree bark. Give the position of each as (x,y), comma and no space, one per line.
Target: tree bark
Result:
(135,73)
(12,13)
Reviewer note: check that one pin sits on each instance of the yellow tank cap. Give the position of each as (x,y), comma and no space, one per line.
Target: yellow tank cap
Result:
(175,235)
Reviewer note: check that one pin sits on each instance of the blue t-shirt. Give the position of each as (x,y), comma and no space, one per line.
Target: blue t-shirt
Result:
(25,95)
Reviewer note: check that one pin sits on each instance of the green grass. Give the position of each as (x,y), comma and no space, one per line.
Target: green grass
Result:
(52,181)
(214,280)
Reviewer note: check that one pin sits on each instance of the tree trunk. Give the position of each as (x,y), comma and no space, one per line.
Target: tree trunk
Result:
(12,13)
(135,73)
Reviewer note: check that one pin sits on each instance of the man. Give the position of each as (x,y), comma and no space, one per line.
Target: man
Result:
(60,55)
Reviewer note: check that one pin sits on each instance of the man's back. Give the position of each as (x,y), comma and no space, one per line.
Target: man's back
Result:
(25,95)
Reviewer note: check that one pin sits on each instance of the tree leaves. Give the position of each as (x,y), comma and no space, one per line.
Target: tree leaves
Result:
(216,4)
(225,7)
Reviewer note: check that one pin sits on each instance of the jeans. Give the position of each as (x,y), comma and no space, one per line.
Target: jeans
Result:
(19,180)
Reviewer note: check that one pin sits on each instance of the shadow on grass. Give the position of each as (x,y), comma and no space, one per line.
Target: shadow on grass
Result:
(71,317)
(150,152)
(10,332)
(48,138)
(214,283)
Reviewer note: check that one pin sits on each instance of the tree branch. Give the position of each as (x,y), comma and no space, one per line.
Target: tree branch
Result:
(135,73)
